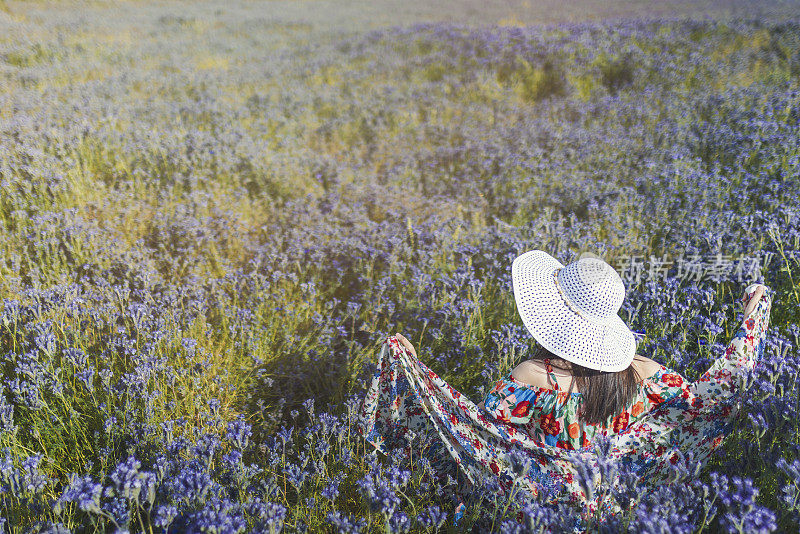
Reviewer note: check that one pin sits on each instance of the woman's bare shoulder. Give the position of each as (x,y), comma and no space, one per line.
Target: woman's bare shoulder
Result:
(645,367)
(531,372)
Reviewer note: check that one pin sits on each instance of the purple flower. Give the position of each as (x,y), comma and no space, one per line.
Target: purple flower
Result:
(272,516)
(238,433)
(399,523)
(164,516)
(742,512)
(432,517)
(344,524)
(83,491)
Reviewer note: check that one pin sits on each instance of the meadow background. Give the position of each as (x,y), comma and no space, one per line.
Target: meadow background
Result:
(213,213)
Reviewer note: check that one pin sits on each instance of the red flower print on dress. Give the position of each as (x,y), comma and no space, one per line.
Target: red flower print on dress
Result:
(671,380)
(549,424)
(565,445)
(502,414)
(655,398)
(574,430)
(521,409)
(691,414)
(621,421)
(750,323)
(494,467)
(637,408)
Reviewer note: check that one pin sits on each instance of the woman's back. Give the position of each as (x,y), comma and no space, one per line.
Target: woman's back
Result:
(536,395)
(534,373)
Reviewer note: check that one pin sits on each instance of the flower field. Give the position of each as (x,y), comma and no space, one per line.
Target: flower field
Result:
(213,214)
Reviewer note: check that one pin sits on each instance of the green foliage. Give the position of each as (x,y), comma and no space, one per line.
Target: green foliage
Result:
(616,72)
(537,83)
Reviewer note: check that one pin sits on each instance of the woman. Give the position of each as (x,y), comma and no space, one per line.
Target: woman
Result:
(584,381)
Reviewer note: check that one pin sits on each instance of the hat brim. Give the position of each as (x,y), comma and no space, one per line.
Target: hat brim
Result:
(608,347)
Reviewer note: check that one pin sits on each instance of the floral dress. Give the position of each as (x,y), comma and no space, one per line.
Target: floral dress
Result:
(407,403)
(551,415)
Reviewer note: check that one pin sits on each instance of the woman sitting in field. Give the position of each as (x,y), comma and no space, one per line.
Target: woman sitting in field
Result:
(584,381)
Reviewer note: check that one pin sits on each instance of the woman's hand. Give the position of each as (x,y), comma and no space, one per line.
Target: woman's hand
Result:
(751,297)
(407,344)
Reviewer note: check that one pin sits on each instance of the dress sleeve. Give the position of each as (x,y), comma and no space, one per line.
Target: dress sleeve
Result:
(698,418)
(663,386)
(722,380)
(511,402)
(742,353)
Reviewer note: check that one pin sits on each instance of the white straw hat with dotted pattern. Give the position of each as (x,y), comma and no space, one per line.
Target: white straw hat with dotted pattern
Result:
(572,310)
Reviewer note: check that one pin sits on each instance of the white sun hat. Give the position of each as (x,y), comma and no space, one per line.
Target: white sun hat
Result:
(572,310)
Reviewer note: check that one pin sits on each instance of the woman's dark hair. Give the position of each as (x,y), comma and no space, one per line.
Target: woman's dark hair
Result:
(604,393)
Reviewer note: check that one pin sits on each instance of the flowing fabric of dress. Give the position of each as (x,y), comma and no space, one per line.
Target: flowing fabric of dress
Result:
(406,401)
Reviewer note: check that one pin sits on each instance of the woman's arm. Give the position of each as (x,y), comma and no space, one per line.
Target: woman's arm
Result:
(699,417)
(407,344)
(747,344)
(717,384)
